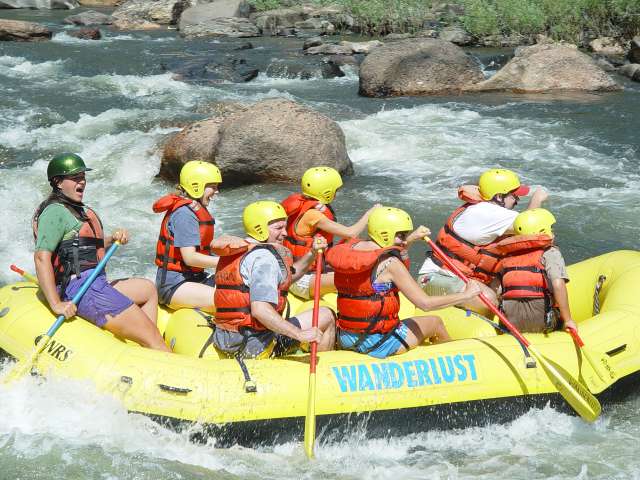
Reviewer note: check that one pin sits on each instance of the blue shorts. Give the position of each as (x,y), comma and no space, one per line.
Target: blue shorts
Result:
(389,347)
(100,300)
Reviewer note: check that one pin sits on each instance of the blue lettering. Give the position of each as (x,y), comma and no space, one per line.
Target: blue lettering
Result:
(448,373)
(381,375)
(462,370)
(470,360)
(422,368)
(346,377)
(434,370)
(365,378)
(396,374)
(410,374)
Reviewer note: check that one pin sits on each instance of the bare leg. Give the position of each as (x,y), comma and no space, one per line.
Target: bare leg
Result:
(194,295)
(326,284)
(420,328)
(326,324)
(142,292)
(133,324)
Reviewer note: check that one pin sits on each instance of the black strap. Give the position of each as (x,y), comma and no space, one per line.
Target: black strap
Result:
(527,288)
(234,309)
(295,241)
(242,288)
(523,269)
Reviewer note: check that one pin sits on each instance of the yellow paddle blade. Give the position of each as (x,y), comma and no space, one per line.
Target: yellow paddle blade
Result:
(576,394)
(310,420)
(603,374)
(22,368)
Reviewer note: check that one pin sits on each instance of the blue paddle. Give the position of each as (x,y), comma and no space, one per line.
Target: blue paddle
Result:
(25,367)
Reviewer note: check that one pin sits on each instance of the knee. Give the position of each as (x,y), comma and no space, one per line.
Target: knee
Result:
(327,317)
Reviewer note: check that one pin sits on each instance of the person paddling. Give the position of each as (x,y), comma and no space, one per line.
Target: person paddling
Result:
(533,275)
(369,274)
(252,314)
(183,249)
(310,213)
(483,219)
(69,244)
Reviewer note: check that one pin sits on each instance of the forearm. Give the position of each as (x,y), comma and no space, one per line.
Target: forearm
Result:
(302,265)
(46,278)
(272,320)
(197,259)
(437,302)
(562,299)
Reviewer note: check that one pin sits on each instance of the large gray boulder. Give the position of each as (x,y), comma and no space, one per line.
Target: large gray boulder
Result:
(417,66)
(204,20)
(271,21)
(548,67)
(163,12)
(456,35)
(40,4)
(196,141)
(606,46)
(277,140)
(19,31)
(634,50)
(631,70)
(90,17)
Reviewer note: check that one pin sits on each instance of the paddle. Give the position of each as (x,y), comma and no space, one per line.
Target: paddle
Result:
(594,365)
(310,419)
(24,367)
(582,401)
(27,276)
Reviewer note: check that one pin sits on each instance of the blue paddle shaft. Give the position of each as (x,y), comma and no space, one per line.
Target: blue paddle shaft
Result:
(85,286)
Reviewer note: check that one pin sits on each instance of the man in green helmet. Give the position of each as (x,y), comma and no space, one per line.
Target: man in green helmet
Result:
(69,244)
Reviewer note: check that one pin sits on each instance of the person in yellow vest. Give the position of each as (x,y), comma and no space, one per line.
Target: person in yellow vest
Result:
(310,213)
(369,274)
(533,275)
(485,217)
(252,281)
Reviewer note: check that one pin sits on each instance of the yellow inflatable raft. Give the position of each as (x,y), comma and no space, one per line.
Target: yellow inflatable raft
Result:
(479,377)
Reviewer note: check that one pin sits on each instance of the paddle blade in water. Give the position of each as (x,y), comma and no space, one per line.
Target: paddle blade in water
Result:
(576,394)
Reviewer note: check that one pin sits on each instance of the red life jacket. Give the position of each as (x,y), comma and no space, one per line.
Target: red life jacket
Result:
(521,271)
(475,261)
(168,256)
(80,253)
(360,308)
(296,205)
(232,300)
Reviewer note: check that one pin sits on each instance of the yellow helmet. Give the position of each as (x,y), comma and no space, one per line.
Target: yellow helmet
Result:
(499,180)
(385,222)
(195,175)
(534,221)
(257,216)
(321,183)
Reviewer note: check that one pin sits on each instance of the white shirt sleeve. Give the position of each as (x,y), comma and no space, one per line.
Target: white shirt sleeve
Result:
(483,222)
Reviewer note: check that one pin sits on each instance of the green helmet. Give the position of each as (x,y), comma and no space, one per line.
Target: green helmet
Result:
(66,164)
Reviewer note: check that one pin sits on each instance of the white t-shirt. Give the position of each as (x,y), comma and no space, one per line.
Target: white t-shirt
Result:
(483,222)
(479,224)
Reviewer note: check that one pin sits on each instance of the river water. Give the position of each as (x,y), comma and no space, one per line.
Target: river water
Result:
(113,102)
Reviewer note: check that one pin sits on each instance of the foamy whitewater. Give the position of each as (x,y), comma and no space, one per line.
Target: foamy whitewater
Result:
(111,102)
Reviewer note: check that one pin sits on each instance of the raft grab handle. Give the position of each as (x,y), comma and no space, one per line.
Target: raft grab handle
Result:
(169,388)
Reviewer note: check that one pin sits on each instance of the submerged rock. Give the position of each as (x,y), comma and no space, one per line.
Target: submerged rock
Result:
(277,140)
(86,33)
(90,17)
(417,67)
(548,67)
(218,69)
(19,31)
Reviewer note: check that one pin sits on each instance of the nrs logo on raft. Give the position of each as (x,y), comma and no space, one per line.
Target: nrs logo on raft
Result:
(411,374)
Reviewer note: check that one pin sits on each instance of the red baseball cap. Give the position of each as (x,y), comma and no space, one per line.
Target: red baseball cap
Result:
(522,191)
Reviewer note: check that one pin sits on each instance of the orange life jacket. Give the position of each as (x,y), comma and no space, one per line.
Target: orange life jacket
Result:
(168,257)
(360,308)
(80,253)
(475,261)
(521,271)
(296,205)
(232,300)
